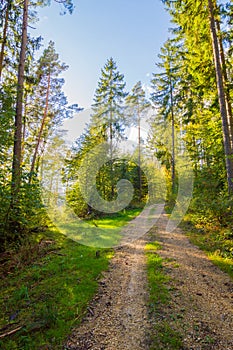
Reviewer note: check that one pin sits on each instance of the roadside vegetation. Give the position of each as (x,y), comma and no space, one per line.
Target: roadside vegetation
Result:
(47,284)
(209,225)
(215,240)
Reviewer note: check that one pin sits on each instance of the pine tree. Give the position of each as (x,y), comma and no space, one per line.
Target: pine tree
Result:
(226,119)
(47,106)
(20,94)
(165,94)
(108,108)
(198,24)
(17,150)
(137,105)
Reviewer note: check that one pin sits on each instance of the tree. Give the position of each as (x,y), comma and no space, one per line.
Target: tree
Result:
(48,105)
(226,125)
(137,105)
(5,12)
(11,13)
(199,27)
(108,108)
(164,95)
(17,148)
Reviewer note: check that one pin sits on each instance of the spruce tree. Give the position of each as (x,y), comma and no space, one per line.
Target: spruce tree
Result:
(137,105)
(108,106)
(198,26)
(164,96)
(108,118)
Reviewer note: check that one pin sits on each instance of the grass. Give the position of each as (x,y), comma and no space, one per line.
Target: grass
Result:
(210,236)
(117,220)
(214,240)
(164,336)
(95,232)
(46,287)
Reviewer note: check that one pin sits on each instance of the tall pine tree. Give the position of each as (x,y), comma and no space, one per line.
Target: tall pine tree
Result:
(108,116)
(137,105)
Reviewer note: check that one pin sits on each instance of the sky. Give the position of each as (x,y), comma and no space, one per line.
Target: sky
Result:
(130,31)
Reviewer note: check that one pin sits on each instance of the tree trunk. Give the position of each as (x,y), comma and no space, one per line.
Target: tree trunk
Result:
(4,37)
(173,139)
(41,128)
(222,98)
(225,82)
(24,122)
(111,158)
(17,149)
(139,156)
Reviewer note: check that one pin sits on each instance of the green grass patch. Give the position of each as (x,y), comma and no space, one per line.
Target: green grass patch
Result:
(164,337)
(46,287)
(102,232)
(117,220)
(49,296)
(214,240)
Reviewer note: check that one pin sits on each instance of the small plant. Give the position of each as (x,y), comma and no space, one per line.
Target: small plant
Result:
(48,314)
(21,293)
(166,338)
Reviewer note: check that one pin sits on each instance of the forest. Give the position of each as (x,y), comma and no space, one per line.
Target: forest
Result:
(190,104)
(188,117)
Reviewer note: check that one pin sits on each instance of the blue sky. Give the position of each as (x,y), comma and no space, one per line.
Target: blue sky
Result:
(130,31)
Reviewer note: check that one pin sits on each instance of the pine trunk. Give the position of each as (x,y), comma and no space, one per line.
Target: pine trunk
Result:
(41,128)
(17,149)
(4,37)
(139,156)
(173,139)
(222,98)
(226,84)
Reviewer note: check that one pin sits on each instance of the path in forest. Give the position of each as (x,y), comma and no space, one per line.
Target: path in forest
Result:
(201,306)
(201,294)
(117,317)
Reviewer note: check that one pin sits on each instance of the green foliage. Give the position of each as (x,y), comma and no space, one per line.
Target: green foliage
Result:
(108,109)
(186,63)
(29,214)
(44,106)
(50,294)
(109,175)
(211,237)
(47,292)
(107,124)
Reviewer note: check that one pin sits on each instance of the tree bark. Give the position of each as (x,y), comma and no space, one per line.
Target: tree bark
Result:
(222,98)
(17,149)
(173,137)
(139,155)
(225,82)
(4,37)
(41,128)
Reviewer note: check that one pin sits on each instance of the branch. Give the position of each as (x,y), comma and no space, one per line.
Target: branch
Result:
(10,332)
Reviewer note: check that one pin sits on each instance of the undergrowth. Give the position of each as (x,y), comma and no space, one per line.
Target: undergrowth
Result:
(46,285)
(215,239)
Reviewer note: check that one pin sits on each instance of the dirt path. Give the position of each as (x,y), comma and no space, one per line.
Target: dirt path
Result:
(200,307)
(202,296)
(117,318)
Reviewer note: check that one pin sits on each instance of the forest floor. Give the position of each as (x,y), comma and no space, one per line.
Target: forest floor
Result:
(199,308)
